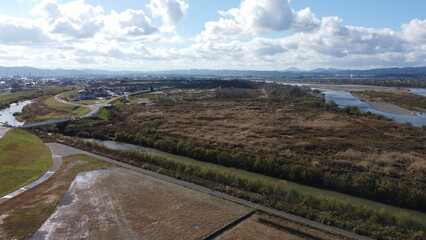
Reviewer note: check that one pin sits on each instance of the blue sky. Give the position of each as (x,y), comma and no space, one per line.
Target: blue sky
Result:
(216,34)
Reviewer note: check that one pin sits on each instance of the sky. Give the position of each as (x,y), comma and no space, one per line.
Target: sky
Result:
(149,35)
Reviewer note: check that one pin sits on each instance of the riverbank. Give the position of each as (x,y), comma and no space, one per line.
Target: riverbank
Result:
(24,158)
(390,108)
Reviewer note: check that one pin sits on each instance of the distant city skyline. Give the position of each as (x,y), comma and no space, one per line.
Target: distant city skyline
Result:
(153,35)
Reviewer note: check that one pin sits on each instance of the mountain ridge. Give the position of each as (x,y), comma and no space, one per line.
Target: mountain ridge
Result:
(291,72)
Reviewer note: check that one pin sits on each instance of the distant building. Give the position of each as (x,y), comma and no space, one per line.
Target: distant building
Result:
(86,95)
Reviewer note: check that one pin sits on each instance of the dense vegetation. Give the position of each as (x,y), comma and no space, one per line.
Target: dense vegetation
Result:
(360,219)
(390,171)
(23,159)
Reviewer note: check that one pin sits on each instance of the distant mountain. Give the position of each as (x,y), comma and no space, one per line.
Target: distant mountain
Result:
(293,69)
(409,72)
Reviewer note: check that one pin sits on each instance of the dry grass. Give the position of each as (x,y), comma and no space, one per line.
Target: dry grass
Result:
(263,226)
(388,161)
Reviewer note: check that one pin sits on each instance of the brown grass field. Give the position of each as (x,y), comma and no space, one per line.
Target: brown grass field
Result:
(265,226)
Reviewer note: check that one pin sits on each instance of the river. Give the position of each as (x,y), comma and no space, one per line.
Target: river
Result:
(345,98)
(6,115)
(419,91)
(316,192)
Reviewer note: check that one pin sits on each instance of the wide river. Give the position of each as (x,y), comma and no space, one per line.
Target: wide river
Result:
(345,98)
(6,115)
(316,192)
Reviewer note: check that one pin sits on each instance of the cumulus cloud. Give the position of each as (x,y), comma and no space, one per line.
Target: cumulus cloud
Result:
(21,31)
(170,11)
(130,23)
(258,34)
(256,17)
(415,31)
(74,19)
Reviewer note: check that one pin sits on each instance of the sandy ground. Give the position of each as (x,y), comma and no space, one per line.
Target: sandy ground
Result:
(122,204)
(390,108)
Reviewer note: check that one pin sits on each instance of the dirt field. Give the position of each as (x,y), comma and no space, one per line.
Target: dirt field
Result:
(264,226)
(121,204)
(20,217)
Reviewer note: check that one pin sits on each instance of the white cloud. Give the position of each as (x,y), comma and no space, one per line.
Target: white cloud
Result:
(130,23)
(21,31)
(256,17)
(74,19)
(415,31)
(259,34)
(170,11)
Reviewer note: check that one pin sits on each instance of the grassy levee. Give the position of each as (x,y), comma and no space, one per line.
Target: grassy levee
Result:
(80,111)
(23,159)
(7,98)
(32,208)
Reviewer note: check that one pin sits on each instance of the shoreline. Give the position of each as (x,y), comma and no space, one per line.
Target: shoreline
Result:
(391,108)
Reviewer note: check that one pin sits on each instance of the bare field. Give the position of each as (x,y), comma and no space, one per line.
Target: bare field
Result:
(121,204)
(20,217)
(263,226)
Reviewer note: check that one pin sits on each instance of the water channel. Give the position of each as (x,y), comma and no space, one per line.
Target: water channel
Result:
(6,115)
(316,192)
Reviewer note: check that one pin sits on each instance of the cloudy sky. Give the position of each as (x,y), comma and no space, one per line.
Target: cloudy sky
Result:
(148,35)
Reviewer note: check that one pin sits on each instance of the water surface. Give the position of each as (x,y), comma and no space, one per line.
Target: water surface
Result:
(419,91)
(6,115)
(344,98)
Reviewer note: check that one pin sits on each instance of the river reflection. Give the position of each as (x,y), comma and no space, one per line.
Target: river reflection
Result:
(6,115)
(344,98)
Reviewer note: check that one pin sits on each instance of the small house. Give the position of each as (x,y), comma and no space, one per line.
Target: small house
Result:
(86,95)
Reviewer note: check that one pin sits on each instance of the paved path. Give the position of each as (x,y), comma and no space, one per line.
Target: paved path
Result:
(94,108)
(56,165)
(63,150)
(3,131)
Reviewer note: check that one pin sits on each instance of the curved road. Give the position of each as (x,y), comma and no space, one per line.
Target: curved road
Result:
(64,150)
(3,131)
(94,108)
(56,164)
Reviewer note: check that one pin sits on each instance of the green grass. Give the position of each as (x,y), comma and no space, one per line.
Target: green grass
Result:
(23,159)
(102,114)
(78,110)
(30,211)
(16,95)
